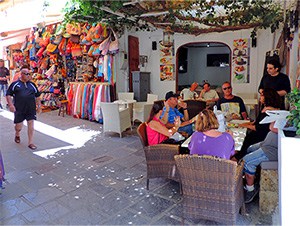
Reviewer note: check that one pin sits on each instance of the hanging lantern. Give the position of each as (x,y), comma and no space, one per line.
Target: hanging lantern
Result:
(168,37)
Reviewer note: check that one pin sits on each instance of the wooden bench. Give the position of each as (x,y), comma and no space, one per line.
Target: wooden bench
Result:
(268,193)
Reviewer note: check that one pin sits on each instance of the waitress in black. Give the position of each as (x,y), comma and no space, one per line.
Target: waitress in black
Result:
(275,80)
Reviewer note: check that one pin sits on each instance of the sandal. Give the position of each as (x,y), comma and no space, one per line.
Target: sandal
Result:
(32,146)
(17,139)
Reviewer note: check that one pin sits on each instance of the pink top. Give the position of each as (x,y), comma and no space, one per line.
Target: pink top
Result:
(153,136)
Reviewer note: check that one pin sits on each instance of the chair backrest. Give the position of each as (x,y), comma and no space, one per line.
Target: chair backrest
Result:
(195,107)
(108,110)
(141,130)
(125,95)
(147,110)
(212,187)
(151,98)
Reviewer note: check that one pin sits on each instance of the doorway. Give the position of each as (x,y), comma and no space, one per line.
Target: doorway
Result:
(203,62)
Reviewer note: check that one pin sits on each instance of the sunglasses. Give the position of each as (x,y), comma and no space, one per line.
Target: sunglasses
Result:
(225,88)
(26,73)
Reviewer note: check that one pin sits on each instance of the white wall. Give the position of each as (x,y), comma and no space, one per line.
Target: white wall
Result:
(257,56)
(198,70)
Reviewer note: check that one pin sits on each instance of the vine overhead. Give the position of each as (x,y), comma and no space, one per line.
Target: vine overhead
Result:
(183,16)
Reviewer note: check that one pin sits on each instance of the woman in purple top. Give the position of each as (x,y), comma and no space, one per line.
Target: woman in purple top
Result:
(207,140)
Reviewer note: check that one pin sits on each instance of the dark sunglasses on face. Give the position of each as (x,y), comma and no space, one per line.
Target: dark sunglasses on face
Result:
(225,88)
(26,73)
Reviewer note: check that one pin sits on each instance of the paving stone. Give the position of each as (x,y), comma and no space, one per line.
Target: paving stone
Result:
(13,191)
(16,220)
(113,203)
(169,220)
(152,205)
(170,191)
(13,207)
(48,212)
(42,195)
(126,217)
(82,217)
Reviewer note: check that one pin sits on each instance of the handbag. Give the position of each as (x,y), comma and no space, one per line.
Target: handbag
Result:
(76,50)
(114,44)
(75,38)
(52,48)
(73,28)
(103,47)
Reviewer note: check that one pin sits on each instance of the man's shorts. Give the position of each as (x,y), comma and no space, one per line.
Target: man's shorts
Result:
(20,116)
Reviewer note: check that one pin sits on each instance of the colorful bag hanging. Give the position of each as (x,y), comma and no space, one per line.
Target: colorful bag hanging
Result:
(114,44)
(40,52)
(62,46)
(44,42)
(96,51)
(52,48)
(103,47)
(91,50)
(75,38)
(44,62)
(25,43)
(59,29)
(98,34)
(73,28)
(50,71)
(32,53)
(57,39)
(76,50)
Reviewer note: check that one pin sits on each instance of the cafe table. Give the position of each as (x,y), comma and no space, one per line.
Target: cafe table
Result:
(239,134)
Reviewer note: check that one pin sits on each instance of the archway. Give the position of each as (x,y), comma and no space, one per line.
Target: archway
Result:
(201,62)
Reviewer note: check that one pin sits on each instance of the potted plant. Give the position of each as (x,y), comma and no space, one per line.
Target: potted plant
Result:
(294,99)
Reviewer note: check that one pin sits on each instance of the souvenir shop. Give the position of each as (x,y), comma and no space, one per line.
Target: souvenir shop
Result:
(74,62)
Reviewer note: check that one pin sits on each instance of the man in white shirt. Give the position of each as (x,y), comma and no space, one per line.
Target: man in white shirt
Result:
(208,95)
(189,93)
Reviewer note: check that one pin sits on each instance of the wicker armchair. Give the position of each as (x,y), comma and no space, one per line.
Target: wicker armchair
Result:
(212,187)
(159,158)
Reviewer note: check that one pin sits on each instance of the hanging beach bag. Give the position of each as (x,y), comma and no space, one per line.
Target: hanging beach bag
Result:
(103,47)
(52,48)
(76,50)
(114,44)
(73,28)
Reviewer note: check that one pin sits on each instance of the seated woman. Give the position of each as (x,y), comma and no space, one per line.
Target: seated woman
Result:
(267,150)
(157,132)
(270,100)
(207,140)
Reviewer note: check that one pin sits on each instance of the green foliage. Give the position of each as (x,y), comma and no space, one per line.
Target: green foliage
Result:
(294,100)
(259,14)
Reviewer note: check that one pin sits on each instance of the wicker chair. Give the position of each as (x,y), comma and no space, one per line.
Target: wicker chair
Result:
(115,119)
(212,187)
(159,158)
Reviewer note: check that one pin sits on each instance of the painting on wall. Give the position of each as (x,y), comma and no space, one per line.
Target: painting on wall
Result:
(166,63)
(240,61)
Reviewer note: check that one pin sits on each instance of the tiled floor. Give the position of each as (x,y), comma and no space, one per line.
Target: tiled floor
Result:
(100,183)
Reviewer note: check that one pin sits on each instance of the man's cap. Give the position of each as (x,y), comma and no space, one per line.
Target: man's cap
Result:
(171,94)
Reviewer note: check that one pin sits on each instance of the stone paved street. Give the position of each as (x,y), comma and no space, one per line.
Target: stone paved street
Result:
(100,183)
